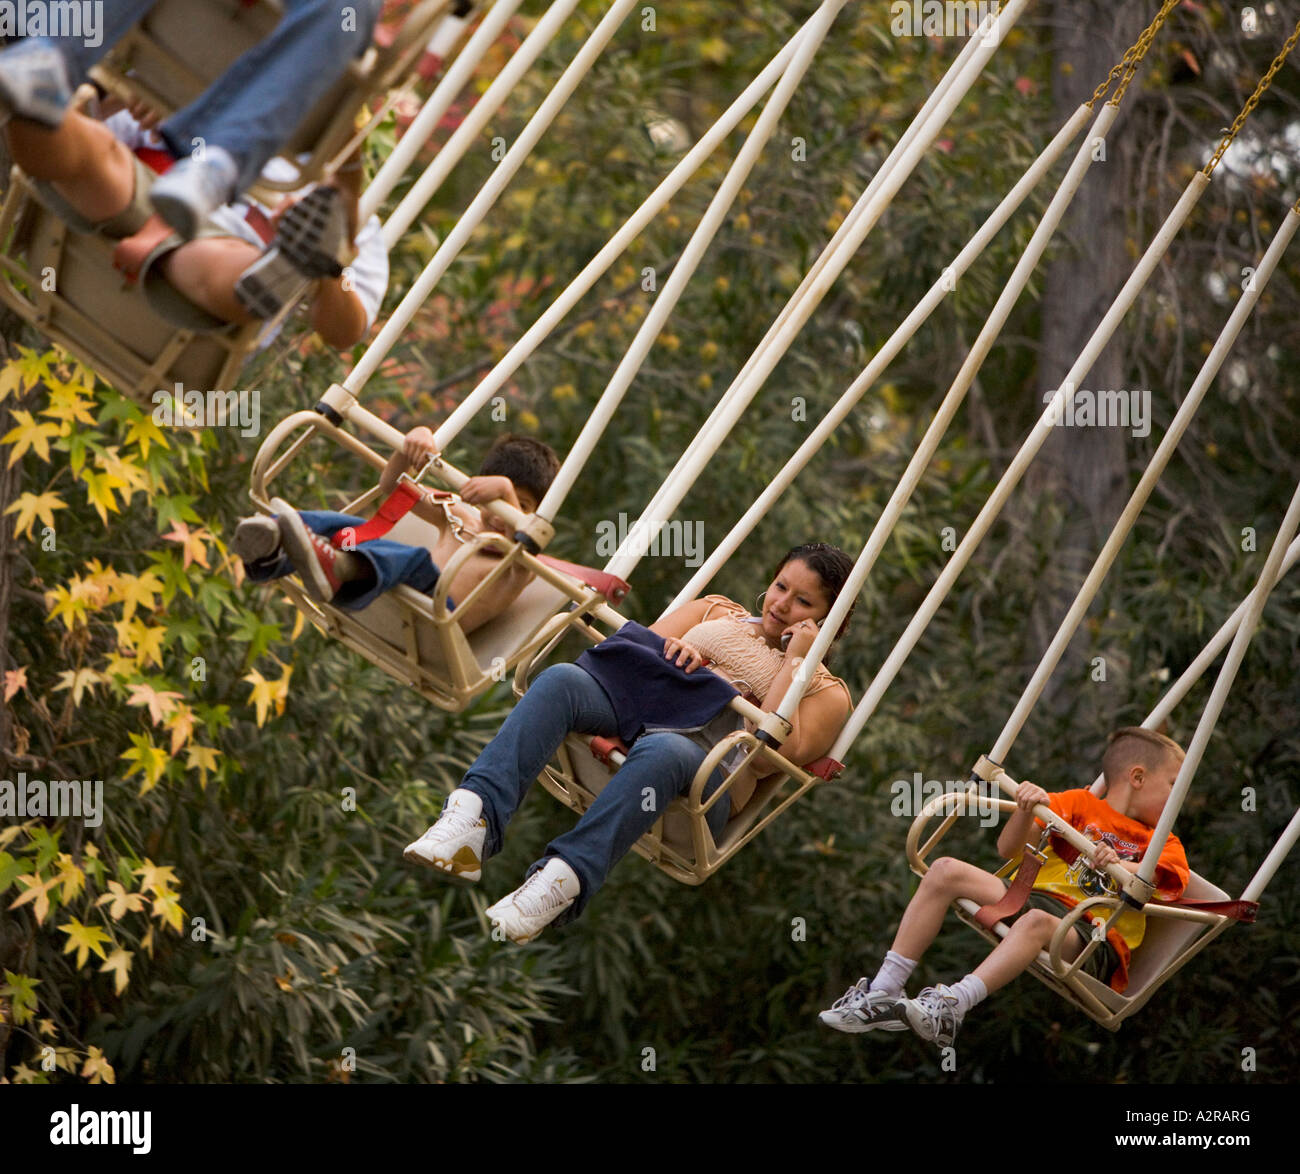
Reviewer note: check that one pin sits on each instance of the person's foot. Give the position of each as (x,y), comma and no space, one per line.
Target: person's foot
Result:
(311,242)
(933,1015)
(862,1009)
(34,84)
(453,847)
(256,539)
(193,189)
(322,567)
(537,902)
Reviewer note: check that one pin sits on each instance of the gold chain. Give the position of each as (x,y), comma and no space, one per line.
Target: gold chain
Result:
(1252,101)
(1133,57)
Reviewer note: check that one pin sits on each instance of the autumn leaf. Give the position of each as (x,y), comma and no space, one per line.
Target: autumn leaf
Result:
(203,759)
(29,434)
(160,703)
(150,761)
(267,694)
(181,725)
(15,679)
(79,680)
(30,506)
(99,492)
(69,407)
(168,909)
(139,591)
(118,964)
(120,901)
(144,432)
(85,939)
(98,1069)
(38,892)
(194,547)
(157,878)
(20,990)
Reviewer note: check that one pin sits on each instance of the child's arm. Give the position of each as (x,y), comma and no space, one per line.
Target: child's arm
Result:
(417,447)
(1015,833)
(480,490)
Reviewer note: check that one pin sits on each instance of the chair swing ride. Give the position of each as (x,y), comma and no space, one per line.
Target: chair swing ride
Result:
(415,638)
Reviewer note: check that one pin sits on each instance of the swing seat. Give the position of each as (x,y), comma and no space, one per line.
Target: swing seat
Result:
(1172,937)
(182,46)
(63,283)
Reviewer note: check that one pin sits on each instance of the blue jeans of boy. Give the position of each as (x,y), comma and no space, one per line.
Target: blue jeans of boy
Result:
(659,767)
(252,108)
(392,563)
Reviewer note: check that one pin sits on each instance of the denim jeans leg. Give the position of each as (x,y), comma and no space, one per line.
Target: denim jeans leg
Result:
(117,18)
(659,768)
(561,699)
(253,108)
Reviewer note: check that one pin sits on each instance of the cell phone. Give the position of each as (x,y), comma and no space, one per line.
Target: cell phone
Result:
(785,638)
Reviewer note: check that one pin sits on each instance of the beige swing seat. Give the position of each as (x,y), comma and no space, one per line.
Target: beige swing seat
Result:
(182,46)
(63,283)
(1172,937)
(681,842)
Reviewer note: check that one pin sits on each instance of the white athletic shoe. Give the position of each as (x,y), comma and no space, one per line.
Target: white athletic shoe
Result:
(193,189)
(933,1015)
(862,1009)
(34,85)
(537,902)
(453,847)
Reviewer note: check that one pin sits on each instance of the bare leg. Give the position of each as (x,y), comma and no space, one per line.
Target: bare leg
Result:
(947,880)
(206,270)
(1030,933)
(87,166)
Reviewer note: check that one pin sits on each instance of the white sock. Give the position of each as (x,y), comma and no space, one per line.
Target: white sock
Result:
(463,801)
(969,992)
(894,973)
(556,869)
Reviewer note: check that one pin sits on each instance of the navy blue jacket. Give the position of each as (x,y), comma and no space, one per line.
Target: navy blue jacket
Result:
(649,692)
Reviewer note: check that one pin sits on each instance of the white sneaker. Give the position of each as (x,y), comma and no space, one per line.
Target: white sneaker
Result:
(34,84)
(453,846)
(934,1016)
(193,189)
(862,1009)
(537,902)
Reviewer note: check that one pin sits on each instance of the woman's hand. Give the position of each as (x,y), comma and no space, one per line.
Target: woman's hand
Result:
(801,636)
(418,446)
(687,657)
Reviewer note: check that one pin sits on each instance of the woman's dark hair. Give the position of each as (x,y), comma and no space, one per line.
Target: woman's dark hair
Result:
(527,462)
(832,566)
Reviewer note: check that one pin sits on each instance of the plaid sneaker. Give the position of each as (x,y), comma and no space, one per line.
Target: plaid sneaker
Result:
(933,1015)
(862,1009)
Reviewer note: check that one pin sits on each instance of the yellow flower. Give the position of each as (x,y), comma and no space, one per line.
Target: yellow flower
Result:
(709,351)
(565,391)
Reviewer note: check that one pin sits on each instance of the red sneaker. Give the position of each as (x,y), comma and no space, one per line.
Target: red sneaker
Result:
(314,558)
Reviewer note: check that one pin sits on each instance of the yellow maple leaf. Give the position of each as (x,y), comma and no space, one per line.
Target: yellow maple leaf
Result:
(85,939)
(150,761)
(146,642)
(167,909)
(139,591)
(119,964)
(29,434)
(11,380)
(98,1069)
(181,725)
(15,679)
(157,878)
(68,407)
(30,506)
(71,877)
(203,759)
(120,901)
(262,697)
(144,432)
(131,475)
(99,492)
(38,892)
(79,680)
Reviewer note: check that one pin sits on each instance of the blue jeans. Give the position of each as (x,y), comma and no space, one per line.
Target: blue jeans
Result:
(391,563)
(659,768)
(252,109)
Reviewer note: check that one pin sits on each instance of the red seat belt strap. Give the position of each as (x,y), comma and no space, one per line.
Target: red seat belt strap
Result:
(391,511)
(1013,900)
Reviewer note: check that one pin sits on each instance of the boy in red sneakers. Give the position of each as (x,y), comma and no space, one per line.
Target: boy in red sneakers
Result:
(1140,767)
(517,470)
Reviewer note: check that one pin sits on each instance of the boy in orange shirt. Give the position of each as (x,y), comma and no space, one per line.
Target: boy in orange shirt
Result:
(1140,767)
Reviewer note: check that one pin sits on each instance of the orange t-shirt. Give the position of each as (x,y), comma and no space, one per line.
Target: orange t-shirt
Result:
(1072,883)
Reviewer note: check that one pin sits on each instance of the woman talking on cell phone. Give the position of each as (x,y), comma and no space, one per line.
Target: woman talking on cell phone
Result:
(650,687)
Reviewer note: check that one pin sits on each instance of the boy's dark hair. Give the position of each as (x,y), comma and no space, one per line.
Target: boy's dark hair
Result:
(832,566)
(1137,746)
(529,463)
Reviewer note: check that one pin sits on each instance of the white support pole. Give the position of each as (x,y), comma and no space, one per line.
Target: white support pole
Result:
(685,268)
(496,183)
(425,188)
(881,360)
(1286,841)
(1028,450)
(697,456)
(1222,686)
(668,187)
(431,113)
(1146,484)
